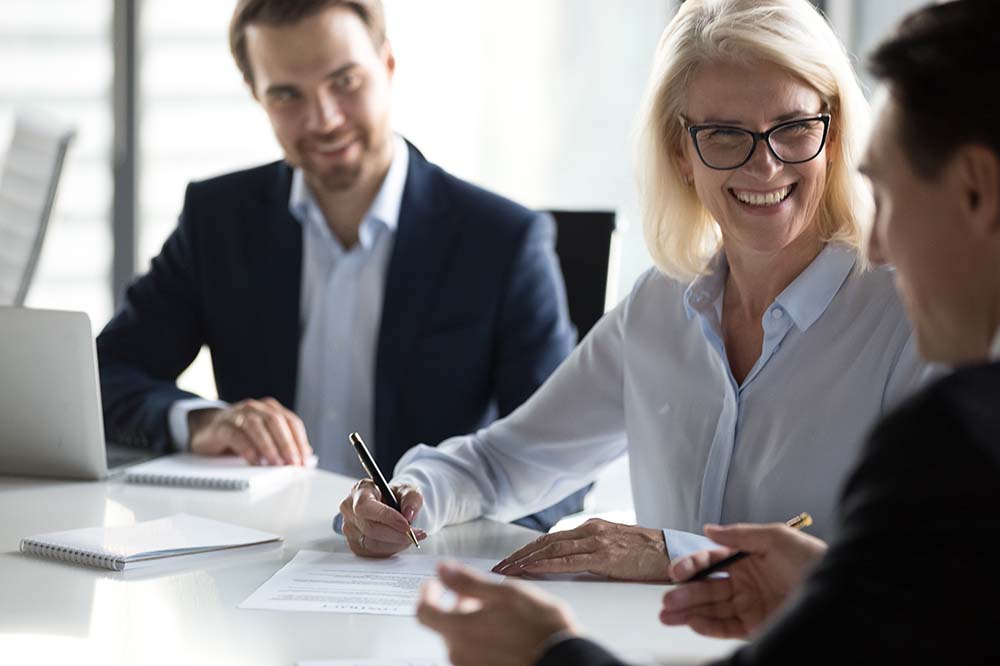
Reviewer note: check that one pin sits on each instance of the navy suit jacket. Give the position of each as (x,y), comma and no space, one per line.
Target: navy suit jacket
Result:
(474,315)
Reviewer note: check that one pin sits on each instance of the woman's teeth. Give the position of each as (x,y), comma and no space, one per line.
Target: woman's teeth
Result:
(763,199)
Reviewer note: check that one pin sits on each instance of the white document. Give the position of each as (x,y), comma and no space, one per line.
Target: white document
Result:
(345,583)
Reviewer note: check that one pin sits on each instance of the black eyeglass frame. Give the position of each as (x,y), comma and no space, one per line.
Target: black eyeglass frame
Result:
(764,136)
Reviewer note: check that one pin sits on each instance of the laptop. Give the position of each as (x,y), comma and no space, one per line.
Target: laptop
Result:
(51,422)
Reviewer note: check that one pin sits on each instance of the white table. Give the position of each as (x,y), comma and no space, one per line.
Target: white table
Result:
(55,613)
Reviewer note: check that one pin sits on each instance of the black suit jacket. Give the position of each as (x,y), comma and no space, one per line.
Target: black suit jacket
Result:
(474,315)
(912,576)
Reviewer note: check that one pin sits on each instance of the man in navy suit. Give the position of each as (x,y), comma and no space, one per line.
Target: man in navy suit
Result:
(352,286)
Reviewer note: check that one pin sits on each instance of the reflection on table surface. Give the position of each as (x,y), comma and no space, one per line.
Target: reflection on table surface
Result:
(51,612)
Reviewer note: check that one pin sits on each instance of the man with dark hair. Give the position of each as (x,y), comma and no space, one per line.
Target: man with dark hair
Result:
(351,286)
(272,12)
(911,577)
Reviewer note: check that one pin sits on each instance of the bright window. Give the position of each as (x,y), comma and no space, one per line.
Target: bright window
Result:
(56,61)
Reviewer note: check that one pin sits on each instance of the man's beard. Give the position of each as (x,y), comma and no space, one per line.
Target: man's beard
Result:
(340,179)
(335,179)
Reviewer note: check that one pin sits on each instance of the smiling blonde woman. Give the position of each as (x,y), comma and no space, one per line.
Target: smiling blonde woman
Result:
(742,373)
(681,233)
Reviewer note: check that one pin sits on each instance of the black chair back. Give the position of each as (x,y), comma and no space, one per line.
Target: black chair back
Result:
(583,245)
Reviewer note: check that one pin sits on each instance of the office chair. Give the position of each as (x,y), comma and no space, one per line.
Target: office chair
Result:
(588,258)
(27,192)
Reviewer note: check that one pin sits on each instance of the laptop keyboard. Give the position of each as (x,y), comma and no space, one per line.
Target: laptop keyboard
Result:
(120,456)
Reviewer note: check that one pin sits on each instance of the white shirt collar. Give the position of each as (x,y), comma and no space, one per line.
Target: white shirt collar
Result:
(805,299)
(389,199)
(384,208)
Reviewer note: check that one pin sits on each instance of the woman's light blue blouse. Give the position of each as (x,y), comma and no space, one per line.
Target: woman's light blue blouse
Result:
(652,380)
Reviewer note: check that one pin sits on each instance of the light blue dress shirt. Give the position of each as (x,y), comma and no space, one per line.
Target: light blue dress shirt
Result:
(340,312)
(652,379)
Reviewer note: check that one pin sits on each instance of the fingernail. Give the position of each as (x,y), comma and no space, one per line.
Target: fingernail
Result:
(420,534)
(409,512)
(513,569)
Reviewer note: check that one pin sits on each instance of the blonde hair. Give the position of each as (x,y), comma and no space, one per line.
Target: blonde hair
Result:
(682,236)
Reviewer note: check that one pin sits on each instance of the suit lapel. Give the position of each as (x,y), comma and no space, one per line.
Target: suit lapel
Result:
(274,256)
(425,238)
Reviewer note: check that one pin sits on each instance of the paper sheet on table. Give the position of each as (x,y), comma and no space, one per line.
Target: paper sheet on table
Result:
(373,662)
(345,583)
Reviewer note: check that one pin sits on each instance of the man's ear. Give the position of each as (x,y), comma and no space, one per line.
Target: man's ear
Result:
(388,57)
(977,173)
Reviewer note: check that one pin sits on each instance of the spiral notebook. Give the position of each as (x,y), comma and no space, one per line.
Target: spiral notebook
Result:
(126,547)
(218,472)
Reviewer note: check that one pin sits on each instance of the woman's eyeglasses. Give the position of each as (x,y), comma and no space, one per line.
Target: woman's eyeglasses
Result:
(792,142)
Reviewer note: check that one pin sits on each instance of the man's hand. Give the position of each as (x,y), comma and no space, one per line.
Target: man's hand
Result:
(372,528)
(262,431)
(599,547)
(493,624)
(733,607)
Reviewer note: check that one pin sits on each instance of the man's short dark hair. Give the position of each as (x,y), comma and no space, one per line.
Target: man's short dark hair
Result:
(288,12)
(942,66)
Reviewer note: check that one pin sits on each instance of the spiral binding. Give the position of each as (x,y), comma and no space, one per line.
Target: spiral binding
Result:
(188,481)
(75,555)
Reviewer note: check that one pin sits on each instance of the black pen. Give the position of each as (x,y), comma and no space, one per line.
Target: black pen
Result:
(375,474)
(797,523)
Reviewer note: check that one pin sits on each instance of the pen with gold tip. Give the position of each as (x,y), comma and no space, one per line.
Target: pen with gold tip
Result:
(375,474)
(796,523)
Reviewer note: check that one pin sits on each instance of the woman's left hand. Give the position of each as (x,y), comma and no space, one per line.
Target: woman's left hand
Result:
(624,552)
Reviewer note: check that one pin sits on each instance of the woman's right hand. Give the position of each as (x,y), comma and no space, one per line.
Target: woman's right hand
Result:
(372,528)
(779,559)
